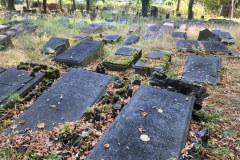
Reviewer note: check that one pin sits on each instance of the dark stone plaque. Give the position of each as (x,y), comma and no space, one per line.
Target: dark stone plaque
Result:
(207,35)
(124,50)
(166,124)
(131,40)
(201,69)
(188,46)
(67,100)
(2,69)
(111,38)
(56,46)
(179,35)
(81,54)
(215,47)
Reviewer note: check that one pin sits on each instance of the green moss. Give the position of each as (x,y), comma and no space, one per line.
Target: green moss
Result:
(163,62)
(52,73)
(36,68)
(115,98)
(23,67)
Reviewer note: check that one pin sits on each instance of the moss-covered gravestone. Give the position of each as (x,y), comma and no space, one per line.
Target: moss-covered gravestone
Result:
(91,28)
(123,58)
(154,61)
(56,45)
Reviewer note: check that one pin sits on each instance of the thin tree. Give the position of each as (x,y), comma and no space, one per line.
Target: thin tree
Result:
(232,9)
(178,6)
(60,5)
(27,3)
(190,9)
(11,5)
(73,5)
(45,6)
(145,5)
(88,5)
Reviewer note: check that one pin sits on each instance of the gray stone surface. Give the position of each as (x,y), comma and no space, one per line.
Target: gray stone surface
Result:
(225,36)
(5,41)
(206,35)
(179,35)
(20,29)
(111,38)
(166,124)
(157,54)
(202,69)
(56,45)
(81,54)
(2,69)
(188,46)
(151,35)
(166,29)
(82,37)
(125,50)
(16,81)
(91,28)
(4,27)
(131,40)
(67,100)
(215,47)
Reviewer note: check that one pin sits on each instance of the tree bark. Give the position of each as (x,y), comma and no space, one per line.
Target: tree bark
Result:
(88,6)
(74,6)
(145,4)
(232,9)
(11,5)
(27,3)
(178,6)
(60,5)
(190,9)
(45,6)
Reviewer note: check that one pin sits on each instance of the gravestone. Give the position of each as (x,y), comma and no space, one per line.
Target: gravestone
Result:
(207,35)
(151,35)
(123,58)
(1,70)
(215,47)
(179,35)
(134,29)
(20,29)
(225,36)
(16,81)
(111,38)
(5,41)
(67,100)
(56,45)
(82,37)
(107,24)
(154,11)
(122,20)
(187,46)
(166,124)
(91,28)
(154,61)
(4,28)
(81,54)
(131,40)
(166,29)
(202,69)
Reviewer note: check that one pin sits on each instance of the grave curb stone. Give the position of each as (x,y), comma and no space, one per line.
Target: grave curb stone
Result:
(56,45)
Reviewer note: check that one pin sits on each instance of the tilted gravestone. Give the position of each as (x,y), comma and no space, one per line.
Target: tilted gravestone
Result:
(16,81)
(131,40)
(207,35)
(81,54)
(153,125)
(225,36)
(67,100)
(202,69)
(123,58)
(56,45)
(154,61)
(179,35)
(188,46)
(111,38)
(5,41)
(214,47)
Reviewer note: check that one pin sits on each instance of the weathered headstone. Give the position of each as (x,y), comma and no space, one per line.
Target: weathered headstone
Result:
(81,54)
(56,45)
(202,69)
(225,36)
(131,40)
(154,12)
(154,61)
(179,35)
(67,100)
(215,47)
(153,125)
(5,41)
(111,38)
(188,46)
(16,81)
(206,35)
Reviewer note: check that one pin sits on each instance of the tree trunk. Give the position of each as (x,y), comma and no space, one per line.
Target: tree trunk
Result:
(60,5)
(145,4)
(178,6)
(190,9)
(27,3)
(88,6)
(45,6)
(11,5)
(232,9)
(73,6)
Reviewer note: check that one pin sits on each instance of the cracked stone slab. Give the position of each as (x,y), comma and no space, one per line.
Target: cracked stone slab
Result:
(131,40)
(202,69)
(56,45)
(166,123)
(81,54)
(67,100)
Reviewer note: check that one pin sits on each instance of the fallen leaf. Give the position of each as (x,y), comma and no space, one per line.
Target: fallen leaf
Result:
(21,122)
(61,97)
(141,129)
(14,126)
(106,145)
(144,138)
(160,110)
(53,106)
(144,114)
(40,125)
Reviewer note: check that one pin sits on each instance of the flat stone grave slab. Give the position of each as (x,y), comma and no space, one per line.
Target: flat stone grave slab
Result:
(225,36)
(67,100)
(20,29)
(206,35)
(151,35)
(56,45)
(4,28)
(188,46)
(179,35)
(202,69)
(81,54)
(166,29)
(154,61)
(81,37)
(91,28)
(215,47)
(107,24)
(5,41)
(131,40)
(134,29)
(111,38)
(123,58)
(16,81)
(166,123)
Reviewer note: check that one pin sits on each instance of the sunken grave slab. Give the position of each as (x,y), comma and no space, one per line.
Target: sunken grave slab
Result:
(4,28)
(154,61)
(225,36)
(131,40)
(187,46)
(179,35)
(91,28)
(215,47)
(5,41)
(81,54)
(111,38)
(166,124)
(56,45)
(67,100)
(20,29)
(123,58)
(202,69)
(17,81)
(206,35)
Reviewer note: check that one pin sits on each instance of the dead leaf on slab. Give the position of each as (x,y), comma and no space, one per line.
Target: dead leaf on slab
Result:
(40,125)
(144,138)
(106,145)
(14,126)
(21,122)
(144,114)
(53,106)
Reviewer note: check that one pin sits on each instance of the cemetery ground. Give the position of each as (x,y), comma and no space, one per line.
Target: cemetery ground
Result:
(74,140)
